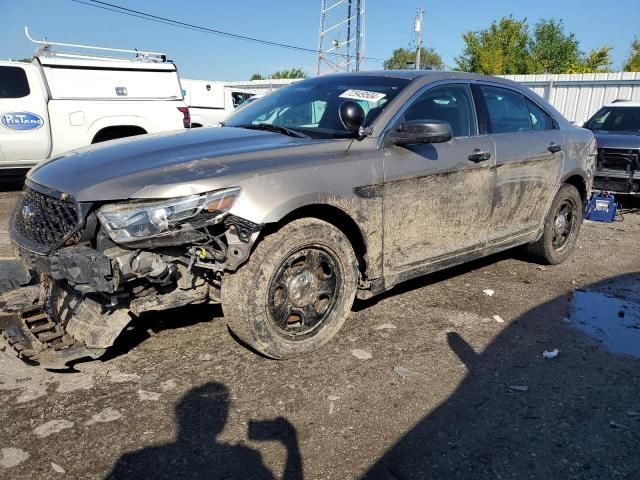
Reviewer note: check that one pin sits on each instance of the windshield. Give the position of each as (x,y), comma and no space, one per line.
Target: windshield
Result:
(616,119)
(310,107)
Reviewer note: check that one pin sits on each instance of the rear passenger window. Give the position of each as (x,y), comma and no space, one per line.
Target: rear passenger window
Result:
(13,82)
(540,120)
(450,103)
(508,112)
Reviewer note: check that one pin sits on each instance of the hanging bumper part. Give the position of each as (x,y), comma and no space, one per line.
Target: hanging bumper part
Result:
(36,338)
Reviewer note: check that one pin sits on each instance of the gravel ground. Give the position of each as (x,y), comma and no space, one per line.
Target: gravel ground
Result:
(423,382)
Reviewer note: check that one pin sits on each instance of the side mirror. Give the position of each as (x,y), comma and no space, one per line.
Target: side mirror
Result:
(351,115)
(421,131)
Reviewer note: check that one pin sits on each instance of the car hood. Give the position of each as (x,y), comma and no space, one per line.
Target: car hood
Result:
(617,140)
(185,161)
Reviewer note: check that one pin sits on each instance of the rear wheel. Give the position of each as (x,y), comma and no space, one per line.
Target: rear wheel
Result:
(561,227)
(295,292)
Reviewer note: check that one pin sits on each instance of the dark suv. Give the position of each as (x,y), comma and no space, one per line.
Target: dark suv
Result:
(617,130)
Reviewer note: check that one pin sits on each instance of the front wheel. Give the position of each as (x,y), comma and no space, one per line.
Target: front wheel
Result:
(295,291)
(561,227)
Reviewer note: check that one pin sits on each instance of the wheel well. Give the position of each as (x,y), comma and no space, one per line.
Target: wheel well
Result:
(336,217)
(117,131)
(578,182)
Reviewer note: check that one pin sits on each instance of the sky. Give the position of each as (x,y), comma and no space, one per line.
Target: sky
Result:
(389,25)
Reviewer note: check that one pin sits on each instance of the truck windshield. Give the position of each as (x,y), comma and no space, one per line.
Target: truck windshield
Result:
(616,119)
(310,107)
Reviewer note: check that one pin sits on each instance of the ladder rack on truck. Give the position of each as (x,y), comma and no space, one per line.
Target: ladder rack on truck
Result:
(45,50)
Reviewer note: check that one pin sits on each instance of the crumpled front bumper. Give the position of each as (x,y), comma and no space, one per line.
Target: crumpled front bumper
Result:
(79,329)
(35,337)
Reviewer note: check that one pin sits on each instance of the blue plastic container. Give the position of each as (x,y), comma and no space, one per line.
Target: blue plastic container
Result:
(602,207)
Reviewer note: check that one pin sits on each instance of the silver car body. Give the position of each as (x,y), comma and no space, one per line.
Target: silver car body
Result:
(406,209)
(417,209)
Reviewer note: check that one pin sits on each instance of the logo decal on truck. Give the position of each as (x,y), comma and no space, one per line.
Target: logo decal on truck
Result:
(21,121)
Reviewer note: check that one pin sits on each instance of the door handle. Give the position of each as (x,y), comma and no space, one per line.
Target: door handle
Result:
(554,148)
(479,156)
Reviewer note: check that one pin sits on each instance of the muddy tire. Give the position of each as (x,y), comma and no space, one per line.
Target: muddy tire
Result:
(295,291)
(561,227)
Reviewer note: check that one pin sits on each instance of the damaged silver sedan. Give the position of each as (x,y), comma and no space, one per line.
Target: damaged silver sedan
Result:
(330,189)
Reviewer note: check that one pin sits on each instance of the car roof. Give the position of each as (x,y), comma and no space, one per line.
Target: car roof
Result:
(428,76)
(623,103)
(434,75)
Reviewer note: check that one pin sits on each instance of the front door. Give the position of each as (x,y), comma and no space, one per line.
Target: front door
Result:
(437,197)
(529,162)
(24,129)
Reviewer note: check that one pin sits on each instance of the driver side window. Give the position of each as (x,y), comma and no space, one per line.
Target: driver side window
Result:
(450,103)
(305,114)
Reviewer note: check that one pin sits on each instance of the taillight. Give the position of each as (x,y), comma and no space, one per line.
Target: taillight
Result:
(186,117)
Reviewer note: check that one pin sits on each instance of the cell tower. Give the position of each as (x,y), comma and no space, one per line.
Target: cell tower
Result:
(341,42)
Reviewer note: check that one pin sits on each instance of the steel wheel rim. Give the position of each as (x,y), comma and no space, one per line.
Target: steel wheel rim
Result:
(303,292)
(564,223)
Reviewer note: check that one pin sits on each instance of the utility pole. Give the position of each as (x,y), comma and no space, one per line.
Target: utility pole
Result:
(418,30)
(341,39)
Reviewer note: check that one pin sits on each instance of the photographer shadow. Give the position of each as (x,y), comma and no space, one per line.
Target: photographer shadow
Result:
(198,454)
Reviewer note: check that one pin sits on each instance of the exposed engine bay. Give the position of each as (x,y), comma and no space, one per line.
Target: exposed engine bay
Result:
(169,254)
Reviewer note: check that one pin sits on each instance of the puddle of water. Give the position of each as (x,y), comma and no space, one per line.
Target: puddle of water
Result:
(613,320)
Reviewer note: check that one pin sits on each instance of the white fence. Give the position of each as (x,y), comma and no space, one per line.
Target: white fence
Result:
(578,96)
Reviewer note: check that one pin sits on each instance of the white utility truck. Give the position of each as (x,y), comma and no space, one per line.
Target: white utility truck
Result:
(211,102)
(67,100)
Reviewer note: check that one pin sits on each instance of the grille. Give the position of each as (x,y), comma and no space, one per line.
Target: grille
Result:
(41,221)
(623,160)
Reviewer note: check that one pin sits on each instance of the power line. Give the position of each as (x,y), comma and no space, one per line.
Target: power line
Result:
(189,26)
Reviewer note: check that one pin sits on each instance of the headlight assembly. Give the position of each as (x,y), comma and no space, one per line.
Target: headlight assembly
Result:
(134,221)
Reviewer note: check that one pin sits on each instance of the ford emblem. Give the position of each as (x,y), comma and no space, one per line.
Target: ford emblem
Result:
(28,213)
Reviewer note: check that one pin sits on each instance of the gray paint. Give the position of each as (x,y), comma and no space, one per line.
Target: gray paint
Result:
(434,202)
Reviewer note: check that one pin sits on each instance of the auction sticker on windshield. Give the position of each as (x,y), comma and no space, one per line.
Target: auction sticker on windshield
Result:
(365,95)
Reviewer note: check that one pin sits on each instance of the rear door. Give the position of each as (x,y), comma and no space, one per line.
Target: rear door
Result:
(437,197)
(24,128)
(529,160)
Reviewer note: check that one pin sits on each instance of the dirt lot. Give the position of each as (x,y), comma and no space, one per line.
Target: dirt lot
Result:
(423,382)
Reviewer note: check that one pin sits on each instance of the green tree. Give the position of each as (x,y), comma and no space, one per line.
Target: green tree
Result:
(501,49)
(632,64)
(597,60)
(256,76)
(552,50)
(290,73)
(405,59)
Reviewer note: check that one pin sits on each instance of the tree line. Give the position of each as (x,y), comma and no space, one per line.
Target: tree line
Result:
(286,73)
(509,47)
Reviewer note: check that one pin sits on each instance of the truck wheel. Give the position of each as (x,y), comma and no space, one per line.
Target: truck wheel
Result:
(561,227)
(295,291)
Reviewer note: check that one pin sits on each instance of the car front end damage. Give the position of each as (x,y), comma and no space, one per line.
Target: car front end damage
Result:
(100,265)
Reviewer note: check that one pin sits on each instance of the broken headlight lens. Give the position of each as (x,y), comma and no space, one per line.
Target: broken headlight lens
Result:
(130,222)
